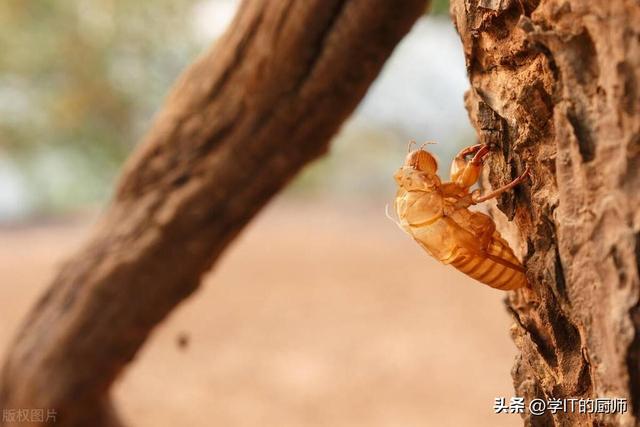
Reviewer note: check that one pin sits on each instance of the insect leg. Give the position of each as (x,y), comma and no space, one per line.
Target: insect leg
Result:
(478,159)
(470,150)
(462,154)
(466,173)
(495,193)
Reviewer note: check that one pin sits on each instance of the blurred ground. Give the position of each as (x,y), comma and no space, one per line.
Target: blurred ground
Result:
(318,315)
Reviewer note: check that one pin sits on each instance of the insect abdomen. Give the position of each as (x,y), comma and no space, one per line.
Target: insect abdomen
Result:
(498,268)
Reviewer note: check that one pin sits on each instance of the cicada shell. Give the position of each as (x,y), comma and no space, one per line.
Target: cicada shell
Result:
(437,216)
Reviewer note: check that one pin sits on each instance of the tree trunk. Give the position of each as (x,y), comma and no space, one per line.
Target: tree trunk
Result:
(239,124)
(554,85)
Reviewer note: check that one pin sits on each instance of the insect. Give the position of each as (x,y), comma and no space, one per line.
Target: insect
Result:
(436,214)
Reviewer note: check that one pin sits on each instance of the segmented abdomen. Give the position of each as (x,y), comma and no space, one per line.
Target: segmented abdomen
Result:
(498,268)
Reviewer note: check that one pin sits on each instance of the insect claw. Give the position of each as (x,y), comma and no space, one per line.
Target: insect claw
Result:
(479,156)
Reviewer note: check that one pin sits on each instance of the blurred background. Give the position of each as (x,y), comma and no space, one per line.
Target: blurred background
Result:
(341,319)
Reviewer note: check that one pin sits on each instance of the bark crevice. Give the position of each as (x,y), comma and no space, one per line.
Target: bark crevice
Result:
(559,85)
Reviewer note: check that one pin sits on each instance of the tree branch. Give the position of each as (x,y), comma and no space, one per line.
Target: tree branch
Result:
(240,122)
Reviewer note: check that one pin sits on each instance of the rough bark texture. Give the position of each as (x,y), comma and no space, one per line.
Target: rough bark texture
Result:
(240,123)
(554,85)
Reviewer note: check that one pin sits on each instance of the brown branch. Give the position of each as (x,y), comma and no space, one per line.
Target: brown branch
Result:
(241,121)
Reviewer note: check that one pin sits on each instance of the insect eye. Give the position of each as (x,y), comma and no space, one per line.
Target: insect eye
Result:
(422,161)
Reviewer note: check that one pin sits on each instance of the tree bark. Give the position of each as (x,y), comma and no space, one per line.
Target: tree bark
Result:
(554,85)
(241,121)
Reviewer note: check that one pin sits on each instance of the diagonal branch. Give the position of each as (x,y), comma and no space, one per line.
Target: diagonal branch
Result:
(238,125)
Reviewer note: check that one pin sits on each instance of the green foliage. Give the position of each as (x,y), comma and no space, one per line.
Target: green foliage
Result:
(439,7)
(82,79)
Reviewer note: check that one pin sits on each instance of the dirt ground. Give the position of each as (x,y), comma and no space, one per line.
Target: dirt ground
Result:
(318,315)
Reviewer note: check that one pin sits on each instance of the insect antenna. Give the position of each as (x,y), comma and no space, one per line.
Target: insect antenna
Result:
(424,144)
